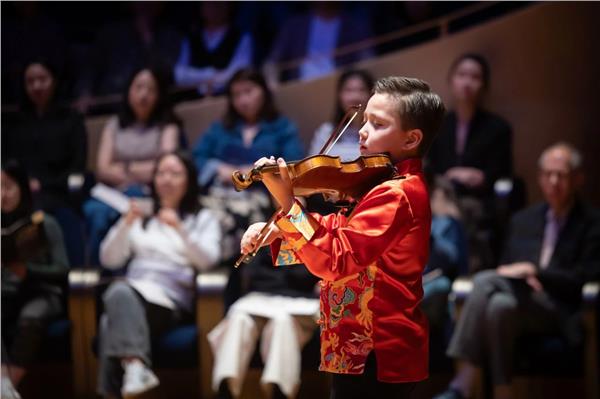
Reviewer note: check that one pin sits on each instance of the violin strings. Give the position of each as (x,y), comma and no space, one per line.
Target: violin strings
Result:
(335,137)
(342,132)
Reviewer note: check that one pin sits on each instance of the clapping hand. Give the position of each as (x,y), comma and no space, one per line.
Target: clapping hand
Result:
(170,217)
(133,213)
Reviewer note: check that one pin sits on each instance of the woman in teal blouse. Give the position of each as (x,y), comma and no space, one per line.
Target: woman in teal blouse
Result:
(251,127)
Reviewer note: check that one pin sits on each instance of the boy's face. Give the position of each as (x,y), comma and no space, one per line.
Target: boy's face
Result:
(382,130)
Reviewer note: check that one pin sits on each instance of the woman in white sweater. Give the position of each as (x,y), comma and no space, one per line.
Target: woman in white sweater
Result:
(163,252)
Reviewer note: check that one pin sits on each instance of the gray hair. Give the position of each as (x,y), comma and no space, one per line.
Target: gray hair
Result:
(575,157)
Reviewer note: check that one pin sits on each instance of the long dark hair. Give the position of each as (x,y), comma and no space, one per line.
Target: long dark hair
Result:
(17,172)
(363,75)
(268,112)
(162,113)
(25,101)
(190,203)
(479,59)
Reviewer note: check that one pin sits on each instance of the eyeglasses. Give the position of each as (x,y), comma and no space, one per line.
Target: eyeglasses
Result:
(559,174)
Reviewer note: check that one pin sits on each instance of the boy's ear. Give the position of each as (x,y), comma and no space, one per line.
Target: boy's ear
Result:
(413,139)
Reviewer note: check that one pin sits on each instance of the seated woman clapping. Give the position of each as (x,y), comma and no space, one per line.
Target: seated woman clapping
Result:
(164,250)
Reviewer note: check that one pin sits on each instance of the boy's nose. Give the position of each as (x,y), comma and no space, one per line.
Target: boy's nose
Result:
(362,133)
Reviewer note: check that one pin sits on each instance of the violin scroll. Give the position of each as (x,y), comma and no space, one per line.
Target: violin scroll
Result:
(242,181)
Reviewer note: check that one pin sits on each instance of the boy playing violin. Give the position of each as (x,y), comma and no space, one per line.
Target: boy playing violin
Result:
(374,337)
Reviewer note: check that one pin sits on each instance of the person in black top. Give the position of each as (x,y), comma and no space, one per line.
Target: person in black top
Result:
(48,139)
(34,272)
(473,147)
(553,248)
(473,150)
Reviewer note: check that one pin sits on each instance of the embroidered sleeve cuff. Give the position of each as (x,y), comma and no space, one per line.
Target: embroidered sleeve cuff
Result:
(283,254)
(297,227)
(298,220)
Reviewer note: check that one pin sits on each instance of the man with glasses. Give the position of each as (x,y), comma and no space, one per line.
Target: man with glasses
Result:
(552,249)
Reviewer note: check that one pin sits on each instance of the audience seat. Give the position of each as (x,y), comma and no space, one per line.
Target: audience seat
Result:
(175,354)
(52,364)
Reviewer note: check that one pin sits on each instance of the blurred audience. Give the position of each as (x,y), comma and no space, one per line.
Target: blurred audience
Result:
(29,34)
(311,40)
(447,252)
(278,308)
(124,46)
(163,253)
(252,127)
(34,271)
(129,146)
(49,140)
(473,149)
(353,88)
(553,248)
(212,52)
(97,47)
(264,19)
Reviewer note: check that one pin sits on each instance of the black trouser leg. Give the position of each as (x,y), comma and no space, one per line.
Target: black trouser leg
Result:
(366,385)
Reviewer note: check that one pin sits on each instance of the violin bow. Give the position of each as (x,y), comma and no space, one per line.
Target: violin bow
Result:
(341,128)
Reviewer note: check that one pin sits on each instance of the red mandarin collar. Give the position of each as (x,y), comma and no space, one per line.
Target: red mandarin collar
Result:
(409,166)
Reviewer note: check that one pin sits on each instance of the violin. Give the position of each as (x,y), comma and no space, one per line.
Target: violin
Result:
(324,174)
(327,174)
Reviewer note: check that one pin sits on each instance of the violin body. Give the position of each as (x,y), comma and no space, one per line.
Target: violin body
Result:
(328,175)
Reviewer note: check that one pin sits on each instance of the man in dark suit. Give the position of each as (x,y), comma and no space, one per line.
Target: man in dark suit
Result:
(552,249)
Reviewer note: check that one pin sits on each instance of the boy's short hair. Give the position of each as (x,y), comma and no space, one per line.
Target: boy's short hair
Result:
(418,106)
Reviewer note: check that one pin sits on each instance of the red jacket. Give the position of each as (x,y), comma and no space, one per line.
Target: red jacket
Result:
(371,264)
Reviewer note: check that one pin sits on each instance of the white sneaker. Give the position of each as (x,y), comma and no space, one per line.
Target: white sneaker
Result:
(137,378)
(8,390)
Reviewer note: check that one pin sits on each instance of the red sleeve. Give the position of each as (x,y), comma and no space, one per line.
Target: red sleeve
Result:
(331,248)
